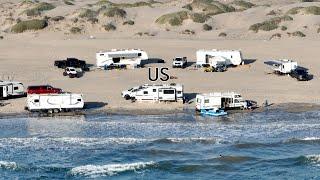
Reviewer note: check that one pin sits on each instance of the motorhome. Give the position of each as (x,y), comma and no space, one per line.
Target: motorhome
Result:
(128,57)
(155,93)
(228,100)
(212,57)
(282,66)
(9,89)
(54,102)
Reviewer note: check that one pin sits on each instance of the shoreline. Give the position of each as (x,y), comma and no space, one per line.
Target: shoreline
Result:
(287,107)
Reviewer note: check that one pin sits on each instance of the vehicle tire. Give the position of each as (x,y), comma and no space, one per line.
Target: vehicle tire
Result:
(50,111)
(65,74)
(71,76)
(56,110)
(127,97)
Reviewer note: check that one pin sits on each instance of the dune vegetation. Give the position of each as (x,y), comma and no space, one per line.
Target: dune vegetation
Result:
(313,10)
(38,8)
(149,3)
(270,24)
(34,24)
(243,4)
(209,7)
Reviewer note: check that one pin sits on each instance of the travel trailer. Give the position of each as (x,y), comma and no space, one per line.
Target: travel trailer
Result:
(213,57)
(9,89)
(228,100)
(282,66)
(128,57)
(155,93)
(54,102)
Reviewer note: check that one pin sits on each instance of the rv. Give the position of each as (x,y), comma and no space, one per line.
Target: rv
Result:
(54,102)
(155,93)
(9,89)
(213,57)
(282,66)
(128,57)
(218,100)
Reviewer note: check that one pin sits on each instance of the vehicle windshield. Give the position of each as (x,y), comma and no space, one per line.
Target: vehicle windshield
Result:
(178,59)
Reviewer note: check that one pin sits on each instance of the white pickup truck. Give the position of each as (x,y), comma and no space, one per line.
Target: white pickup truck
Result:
(179,62)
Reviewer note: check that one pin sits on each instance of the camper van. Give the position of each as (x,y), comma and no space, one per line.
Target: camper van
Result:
(213,57)
(155,93)
(228,100)
(128,57)
(282,66)
(9,89)
(54,102)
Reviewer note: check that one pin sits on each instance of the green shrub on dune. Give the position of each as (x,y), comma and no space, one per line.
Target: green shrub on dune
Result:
(113,12)
(314,10)
(88,13)
(34,24)
(127,5)
(243,4)
(209,7)
(174,19)
(270,24)
(38,8)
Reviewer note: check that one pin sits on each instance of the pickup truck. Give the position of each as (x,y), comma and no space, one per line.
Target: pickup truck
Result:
(301,74)
(179,62)
(71,62)
(72,72)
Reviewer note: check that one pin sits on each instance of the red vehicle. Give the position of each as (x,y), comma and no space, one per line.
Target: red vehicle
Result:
(43,89)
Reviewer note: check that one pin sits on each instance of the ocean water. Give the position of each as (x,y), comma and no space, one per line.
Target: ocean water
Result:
(263,145)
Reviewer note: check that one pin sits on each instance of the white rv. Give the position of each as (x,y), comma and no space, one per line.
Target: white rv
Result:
(10,89)
(282,66)
(155,93)
(54,102)
(212,57)
(131,57)
(228,100)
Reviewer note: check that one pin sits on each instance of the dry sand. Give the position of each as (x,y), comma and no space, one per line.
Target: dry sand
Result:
(28,57)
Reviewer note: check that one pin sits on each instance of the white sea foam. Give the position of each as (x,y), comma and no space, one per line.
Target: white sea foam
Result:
(310,138)
(8,165)
(108,170)
(98,141)
(189,140)
(315,158)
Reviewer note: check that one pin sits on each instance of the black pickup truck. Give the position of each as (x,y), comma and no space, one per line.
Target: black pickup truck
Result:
(301,74)
(71,62)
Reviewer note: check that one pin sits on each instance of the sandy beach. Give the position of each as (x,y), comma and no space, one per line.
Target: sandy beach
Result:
(28,57)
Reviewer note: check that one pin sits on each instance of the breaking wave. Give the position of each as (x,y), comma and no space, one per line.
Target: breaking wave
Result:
(304,140)
(8,165)
(110,169)
(201,140)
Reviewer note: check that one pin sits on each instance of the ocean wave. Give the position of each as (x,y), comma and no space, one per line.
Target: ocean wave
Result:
(303,140)
(8,165)
(201,140)
(99,141)
(110,169)
(313,159)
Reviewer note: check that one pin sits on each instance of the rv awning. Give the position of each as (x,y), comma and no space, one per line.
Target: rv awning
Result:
(128,55)
(272,63)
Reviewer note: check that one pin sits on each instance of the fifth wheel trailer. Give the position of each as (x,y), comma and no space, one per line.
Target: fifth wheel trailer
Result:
(230,57)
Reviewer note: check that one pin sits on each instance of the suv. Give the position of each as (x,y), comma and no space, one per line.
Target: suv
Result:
(71,62)
(43,89)
(179,62)
(301,74)
(72,72)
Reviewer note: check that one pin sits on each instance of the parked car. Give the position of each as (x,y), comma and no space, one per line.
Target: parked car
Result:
(72,72)
(43,89)
(179,62)
(71,62)
(301,74)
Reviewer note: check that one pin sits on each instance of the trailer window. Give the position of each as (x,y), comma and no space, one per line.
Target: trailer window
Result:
(36,100)
(145,92)
(206,101)
(101,54)
(179,92)
(139,54)
(15,88)
(236,101)
(168,91)
(79,100)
